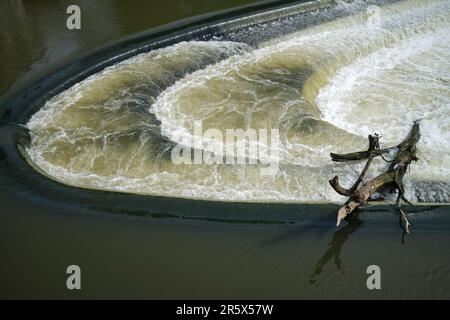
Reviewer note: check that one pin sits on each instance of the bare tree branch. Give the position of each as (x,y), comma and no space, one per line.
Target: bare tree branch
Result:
(406,153)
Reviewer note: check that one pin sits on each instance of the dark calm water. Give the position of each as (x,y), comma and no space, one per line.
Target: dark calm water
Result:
(136,247)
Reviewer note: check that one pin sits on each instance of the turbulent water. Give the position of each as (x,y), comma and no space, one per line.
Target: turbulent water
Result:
(324,87)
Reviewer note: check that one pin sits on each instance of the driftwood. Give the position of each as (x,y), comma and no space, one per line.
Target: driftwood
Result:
(405,153)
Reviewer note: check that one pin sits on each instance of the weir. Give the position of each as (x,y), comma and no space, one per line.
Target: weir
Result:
(313,71)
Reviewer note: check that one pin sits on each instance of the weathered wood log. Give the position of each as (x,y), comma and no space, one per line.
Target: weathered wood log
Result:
(405,154)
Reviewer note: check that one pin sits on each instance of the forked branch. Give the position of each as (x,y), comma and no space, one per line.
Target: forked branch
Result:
(358,196)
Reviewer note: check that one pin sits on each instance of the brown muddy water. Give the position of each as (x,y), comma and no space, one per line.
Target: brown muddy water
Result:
(139,226)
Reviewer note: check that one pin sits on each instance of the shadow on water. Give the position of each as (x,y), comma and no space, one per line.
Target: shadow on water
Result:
(335,246)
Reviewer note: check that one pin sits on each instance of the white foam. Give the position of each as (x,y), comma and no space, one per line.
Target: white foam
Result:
(361,66)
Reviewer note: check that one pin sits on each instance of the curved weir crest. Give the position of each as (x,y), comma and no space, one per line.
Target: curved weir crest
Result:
(324,88)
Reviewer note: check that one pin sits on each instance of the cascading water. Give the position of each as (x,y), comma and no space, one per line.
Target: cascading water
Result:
(324,88)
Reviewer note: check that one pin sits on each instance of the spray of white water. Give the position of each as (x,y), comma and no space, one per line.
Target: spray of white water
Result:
(324,87)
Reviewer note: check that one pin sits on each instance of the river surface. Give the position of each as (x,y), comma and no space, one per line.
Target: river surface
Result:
(97,185)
